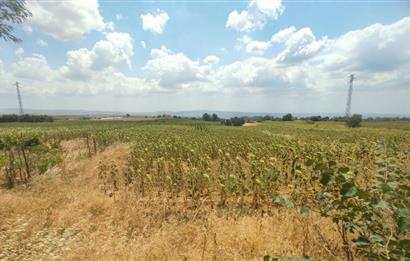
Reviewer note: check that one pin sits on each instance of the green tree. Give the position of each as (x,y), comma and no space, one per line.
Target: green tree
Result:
(215,117)
(355,121)
(287,117)
(235,121)
(12,12)
(206,117)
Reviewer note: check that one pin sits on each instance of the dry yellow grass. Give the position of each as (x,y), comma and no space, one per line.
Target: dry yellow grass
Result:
(64,215)
(250,124)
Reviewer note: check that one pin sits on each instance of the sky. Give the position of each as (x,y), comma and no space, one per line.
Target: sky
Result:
(251,56)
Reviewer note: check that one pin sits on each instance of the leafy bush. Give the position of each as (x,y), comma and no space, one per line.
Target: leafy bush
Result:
(207,117)
(235,121)
(355,121)
(287,117)
(25,118)
(376,211)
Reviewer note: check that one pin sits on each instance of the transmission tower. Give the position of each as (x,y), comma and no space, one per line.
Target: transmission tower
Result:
(21,111)
(349,96)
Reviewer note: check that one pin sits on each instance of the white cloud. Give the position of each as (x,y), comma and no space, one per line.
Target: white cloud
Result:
(118,16)
(65,20)
(211,59)
(375,48)
(33,68)
(38,78)
(173,70)
(110,26)
(115,52)
(255,73)
(306,66)
(268,7)
(251,46)
(1,67)
(378,54)
(256,16)
(241,21)
(283,35)
(143,44)
(42,43)
(257,47)
(300,45)
(154,22)
(19,52)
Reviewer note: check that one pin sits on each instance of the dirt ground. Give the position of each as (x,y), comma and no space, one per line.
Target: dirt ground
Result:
(250,124)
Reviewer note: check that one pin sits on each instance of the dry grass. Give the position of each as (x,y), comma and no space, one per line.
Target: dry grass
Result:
(63,215)
(250,124)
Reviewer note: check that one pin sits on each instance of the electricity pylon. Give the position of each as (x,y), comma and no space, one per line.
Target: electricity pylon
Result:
(349,96)
(21,111)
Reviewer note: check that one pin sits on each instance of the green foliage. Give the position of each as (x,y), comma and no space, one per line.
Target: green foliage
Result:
(344,175)
(376,210)
(207,117)
(355,121)
(12,12)
(235,121)
(25,118)
(287,117)
(25,155)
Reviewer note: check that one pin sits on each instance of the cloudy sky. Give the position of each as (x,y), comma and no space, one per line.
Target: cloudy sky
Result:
(257,55)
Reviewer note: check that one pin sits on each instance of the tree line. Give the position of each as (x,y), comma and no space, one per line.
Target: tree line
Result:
(25,118)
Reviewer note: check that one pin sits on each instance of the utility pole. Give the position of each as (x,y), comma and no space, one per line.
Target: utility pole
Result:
(349,96)
(21,111)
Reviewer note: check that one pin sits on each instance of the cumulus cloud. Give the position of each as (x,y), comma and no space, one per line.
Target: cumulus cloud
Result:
(211,59)
(256,73)
(34,68)
(256,16)
(65,20)
(98,71)
(38,78)
(251,46)
(283,35)
(257,47)
(42,43)
(300,45)
(173,70)
(375,48)
(154,22)
(19,52)
(143,44)
(110,26)
(378,54)
(115,52)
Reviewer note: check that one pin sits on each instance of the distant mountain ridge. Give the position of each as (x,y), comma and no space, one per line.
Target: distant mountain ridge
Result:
(190,113)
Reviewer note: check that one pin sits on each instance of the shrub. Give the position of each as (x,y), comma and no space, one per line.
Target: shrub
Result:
(287,117)
(25,118)
(355,121)
(235,121)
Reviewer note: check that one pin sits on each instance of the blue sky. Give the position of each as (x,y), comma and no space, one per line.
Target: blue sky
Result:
(258,55)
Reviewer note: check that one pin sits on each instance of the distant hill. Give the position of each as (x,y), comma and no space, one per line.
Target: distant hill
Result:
(192,113)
